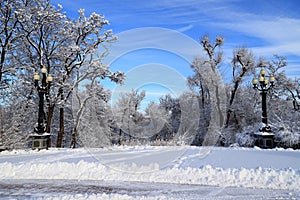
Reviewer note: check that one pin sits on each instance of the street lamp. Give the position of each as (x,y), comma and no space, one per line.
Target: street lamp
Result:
(265,137)
(40,138)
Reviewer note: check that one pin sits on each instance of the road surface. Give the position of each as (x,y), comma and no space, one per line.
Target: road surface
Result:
(57,189)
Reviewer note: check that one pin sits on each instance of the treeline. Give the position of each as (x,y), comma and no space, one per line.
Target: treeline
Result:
(34,35)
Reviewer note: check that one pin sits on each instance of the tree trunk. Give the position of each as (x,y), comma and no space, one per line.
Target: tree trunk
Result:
(61,131)
(48,124)
(120,137)
(73,139)
(295,105)
(219,107)
(61,128)
(202,95)
(233,93)
(49,118)
(228,117)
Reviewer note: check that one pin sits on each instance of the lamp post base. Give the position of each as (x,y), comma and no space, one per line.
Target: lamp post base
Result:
(264,139)
(40,141)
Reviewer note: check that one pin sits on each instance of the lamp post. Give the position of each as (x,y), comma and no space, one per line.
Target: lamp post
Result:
(265,137)
(40,138)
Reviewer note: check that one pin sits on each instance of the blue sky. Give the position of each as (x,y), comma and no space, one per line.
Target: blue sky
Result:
(266,26)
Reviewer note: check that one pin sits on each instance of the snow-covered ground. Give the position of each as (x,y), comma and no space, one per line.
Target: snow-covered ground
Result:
(150,172)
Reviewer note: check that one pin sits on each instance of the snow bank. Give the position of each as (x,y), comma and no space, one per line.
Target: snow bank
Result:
(106,197)
(74,165)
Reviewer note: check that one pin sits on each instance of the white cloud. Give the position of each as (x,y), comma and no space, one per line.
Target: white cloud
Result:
(186,28)
(277,36)
(280,31)
(283,49)
(156,38)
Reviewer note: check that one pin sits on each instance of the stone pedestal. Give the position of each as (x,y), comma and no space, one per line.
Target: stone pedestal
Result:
(40,141)
(264,140)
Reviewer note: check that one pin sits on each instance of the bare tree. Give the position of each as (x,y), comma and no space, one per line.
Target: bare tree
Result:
(208,80)
(8,37)
(91,73)
(127,115)
(38,35)
(243,65)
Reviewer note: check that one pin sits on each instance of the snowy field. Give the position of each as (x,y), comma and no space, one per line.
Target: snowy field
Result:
(150,172)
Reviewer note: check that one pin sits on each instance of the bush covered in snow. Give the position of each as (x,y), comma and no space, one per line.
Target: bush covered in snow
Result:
(288,139)
(246,138)
(286,127)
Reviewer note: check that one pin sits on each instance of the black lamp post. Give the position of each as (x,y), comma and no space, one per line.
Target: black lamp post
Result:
(265,136)
(40,138)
